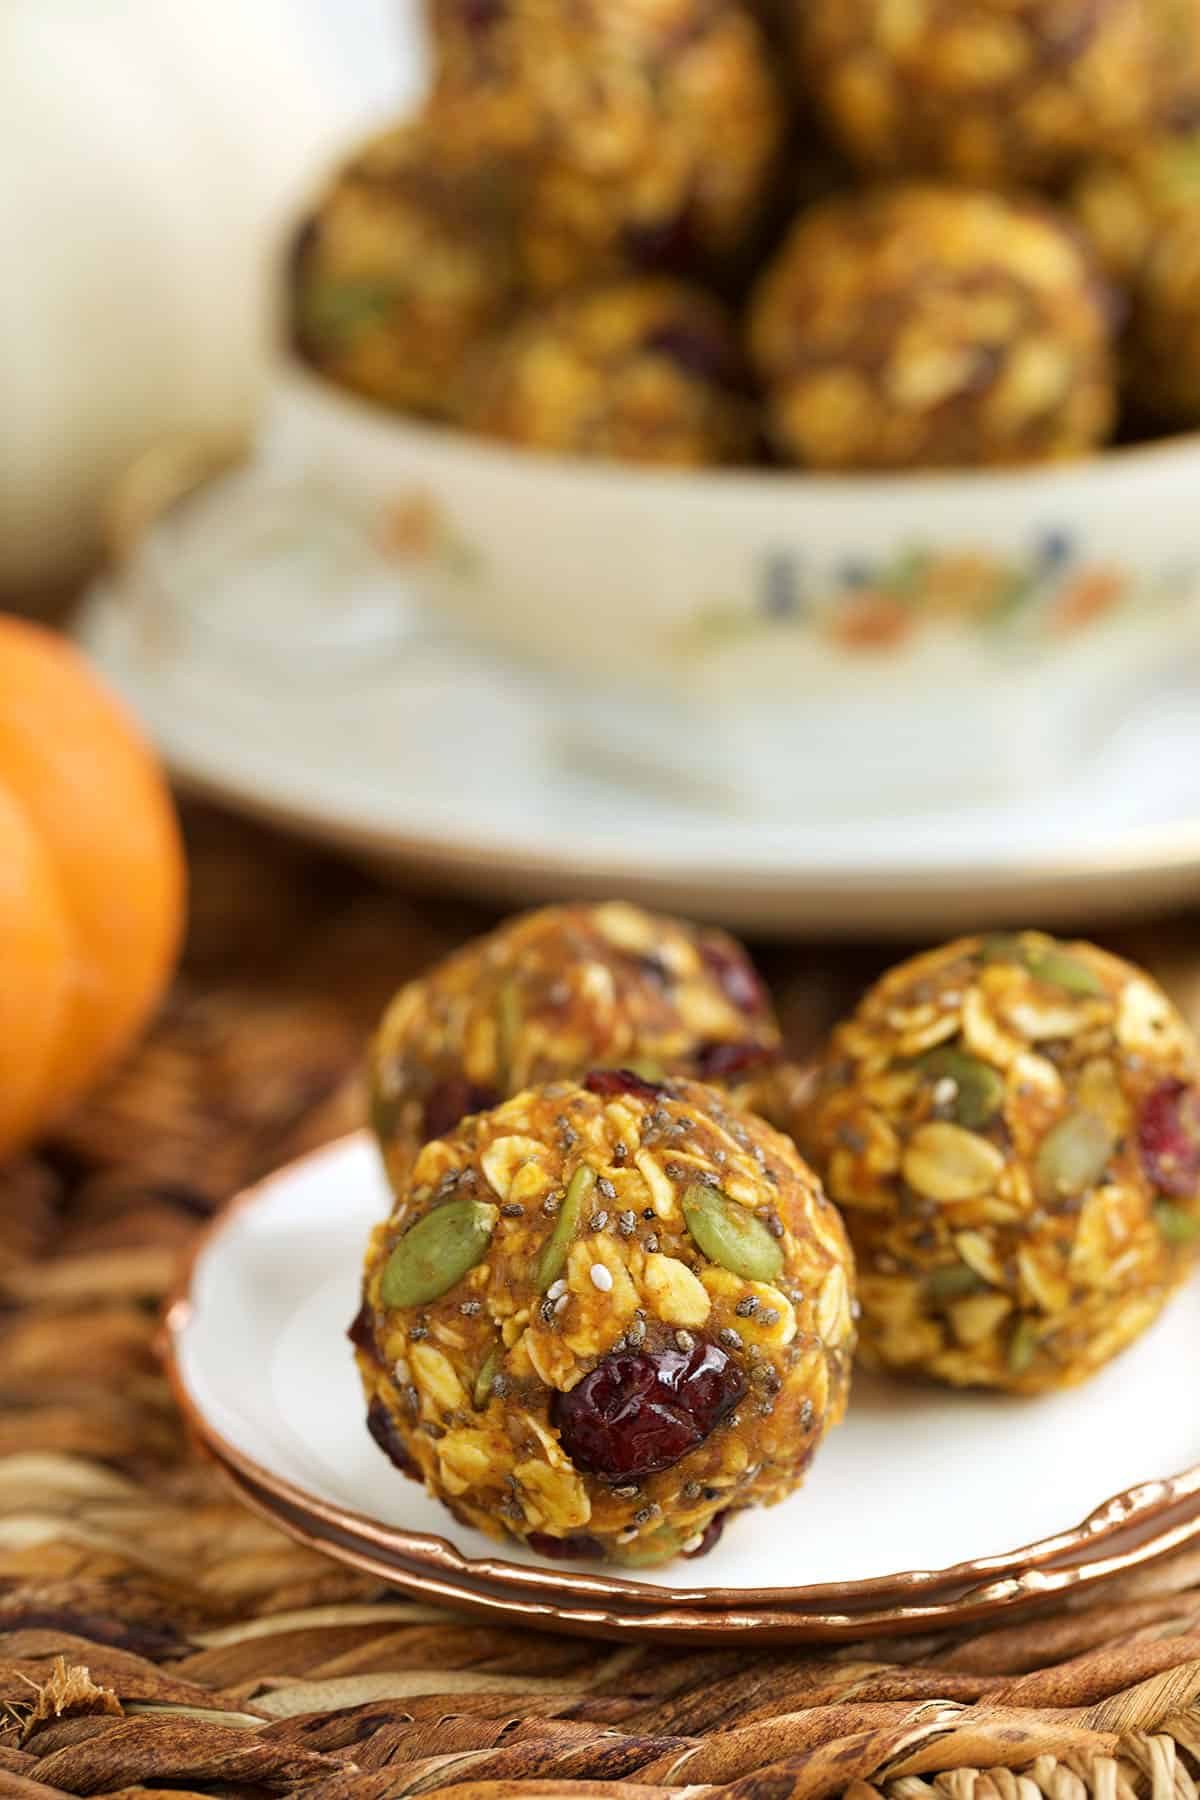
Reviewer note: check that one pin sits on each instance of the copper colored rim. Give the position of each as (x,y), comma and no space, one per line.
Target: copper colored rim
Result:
(1130,1511)
(1018,1594)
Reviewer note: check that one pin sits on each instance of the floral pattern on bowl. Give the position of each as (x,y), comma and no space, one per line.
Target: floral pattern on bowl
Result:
(876,608)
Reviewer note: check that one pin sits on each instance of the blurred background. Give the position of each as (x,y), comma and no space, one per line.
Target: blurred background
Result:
(740,455)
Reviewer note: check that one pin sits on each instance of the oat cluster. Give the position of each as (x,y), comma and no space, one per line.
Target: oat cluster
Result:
(1011,1130)
(839,234)
(602,1316)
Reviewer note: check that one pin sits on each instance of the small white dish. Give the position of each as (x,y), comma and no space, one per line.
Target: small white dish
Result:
(920,1493)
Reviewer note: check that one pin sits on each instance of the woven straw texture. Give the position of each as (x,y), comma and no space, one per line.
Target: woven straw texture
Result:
(155,1638)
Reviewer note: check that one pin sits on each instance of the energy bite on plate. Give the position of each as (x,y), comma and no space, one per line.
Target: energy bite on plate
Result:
(995,91)
(551,994)
(647,371)
(648,127)
(408,260)
(928,327)
(602,1316)
(1011,1128)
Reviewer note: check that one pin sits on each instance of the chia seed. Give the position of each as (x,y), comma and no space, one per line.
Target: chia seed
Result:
(691,1490)
(501,1385)
(627,1224)
(470,1309)
(773,1223)
(512,1209)
(417,1332)
(685,1341)
(599,1220)
(630,1491)
(651,1242)
(769,1315)
(550,1205)
(620,1154)
(729,1338)
(746,1307)
(604,1186)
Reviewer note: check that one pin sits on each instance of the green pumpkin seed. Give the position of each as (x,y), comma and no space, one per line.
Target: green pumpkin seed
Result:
(437,1252)
(1071,1157)
(334,312)
(730,1235)
(1022,1346)
(553,1258)
(1002,947)
(488,1372)
(508,1032)
(1177,1226)
(980,1087)
(953,1282)
(383,1114)
(1046,963)
(1067,972)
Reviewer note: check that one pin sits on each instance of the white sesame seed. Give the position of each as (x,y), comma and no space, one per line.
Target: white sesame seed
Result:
(562,1303)
(556,1290)
(401,1371)
(602,1278)
(694,1542)
(945,1091)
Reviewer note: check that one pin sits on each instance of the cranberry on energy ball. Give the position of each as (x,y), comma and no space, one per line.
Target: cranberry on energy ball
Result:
(1169,1138)
(637,1413)
(453,1099)
(610,1082)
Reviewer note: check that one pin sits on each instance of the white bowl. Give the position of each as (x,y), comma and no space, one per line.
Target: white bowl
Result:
(783,637)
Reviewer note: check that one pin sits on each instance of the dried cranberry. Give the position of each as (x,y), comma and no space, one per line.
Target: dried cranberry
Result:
(581,1545)
(452,1100)
(715,1061)
(382,1428)
(481,15)
(710,1537)
(1169,1138)
(362,1334)
(621,1081)
(735,973)
(705,354)
(640,1412)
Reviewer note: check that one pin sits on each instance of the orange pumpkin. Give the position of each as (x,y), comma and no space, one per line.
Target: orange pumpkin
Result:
(91,880)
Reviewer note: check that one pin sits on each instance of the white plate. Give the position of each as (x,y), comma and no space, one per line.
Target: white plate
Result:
(915,1480)
(429,757)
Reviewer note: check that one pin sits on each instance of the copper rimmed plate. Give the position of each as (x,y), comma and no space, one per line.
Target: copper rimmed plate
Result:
(914,1501)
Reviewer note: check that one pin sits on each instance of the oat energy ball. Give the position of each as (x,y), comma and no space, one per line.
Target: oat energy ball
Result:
(1143,217)
(552,994)
(408,260)
(649,126)
(928,327)
(1011,1128)
(995,91)
(645,371)
(604,1316)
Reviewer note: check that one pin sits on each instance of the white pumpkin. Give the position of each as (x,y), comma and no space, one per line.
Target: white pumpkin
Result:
(152,154)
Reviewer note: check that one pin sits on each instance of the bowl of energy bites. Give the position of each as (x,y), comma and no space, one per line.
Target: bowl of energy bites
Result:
(638,1308)
(807,358)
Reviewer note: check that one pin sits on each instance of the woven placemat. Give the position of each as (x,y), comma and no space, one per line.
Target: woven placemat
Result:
(155,1638)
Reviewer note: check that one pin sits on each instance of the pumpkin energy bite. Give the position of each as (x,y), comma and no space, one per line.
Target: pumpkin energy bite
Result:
(408,260)
(995,91)
(603,1316)
(929,327)
(645,371)
(648,127)
(1011,1127)
(551,994)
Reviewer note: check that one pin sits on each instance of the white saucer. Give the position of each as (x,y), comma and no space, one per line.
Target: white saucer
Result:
(919,1491)
(266,688)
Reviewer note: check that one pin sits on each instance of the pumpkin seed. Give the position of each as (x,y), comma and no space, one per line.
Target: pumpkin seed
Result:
(1177,1226)
(945,1163)
(1071,1157)
(953,1282)
(1022,1346)
(488,1372)
(553,1258)
(730,1235)
(508,1032)
(1060,969)
(980,1087)
(1002,947)
(437,1252)
(1046,963)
